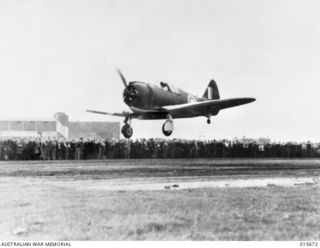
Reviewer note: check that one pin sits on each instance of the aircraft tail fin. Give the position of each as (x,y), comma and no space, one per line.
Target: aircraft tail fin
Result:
(212,92)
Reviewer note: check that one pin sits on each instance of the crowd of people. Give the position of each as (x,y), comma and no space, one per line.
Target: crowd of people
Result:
(14,148)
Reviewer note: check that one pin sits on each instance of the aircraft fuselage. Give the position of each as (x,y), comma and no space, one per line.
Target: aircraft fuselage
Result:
(153,97)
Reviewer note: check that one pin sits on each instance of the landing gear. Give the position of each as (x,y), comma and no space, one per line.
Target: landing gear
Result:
(127,130)
(168,127)
(209,120)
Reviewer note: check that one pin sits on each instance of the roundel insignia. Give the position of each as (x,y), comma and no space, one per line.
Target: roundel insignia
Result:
(191,99)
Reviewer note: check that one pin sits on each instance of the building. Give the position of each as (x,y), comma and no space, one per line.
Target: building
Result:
(94,130)
(59,126)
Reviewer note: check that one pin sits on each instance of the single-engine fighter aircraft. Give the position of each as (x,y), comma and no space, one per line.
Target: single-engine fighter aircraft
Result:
(164,101)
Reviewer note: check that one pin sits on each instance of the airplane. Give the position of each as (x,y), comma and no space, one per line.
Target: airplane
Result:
(164,101)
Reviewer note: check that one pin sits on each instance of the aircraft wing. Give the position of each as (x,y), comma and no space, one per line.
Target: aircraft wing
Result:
(188,110)
(147,115)
(204,108)
(123,114)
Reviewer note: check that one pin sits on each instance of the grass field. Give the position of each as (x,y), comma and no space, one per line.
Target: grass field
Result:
(271,213)
(32,208)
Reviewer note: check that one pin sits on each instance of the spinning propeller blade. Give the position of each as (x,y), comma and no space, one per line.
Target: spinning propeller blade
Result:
(122,78)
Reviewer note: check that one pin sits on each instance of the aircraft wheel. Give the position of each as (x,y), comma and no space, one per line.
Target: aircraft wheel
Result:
(127,131)
(167,128)
(208,121)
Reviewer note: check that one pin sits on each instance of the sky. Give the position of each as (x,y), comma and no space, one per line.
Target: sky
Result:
(62,55)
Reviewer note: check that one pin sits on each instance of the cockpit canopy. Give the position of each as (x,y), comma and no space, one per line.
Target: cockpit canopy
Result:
(169,88)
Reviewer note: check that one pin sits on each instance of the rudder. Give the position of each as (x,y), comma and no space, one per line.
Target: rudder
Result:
(212,92)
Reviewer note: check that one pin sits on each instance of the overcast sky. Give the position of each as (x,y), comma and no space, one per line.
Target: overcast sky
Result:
(62,55)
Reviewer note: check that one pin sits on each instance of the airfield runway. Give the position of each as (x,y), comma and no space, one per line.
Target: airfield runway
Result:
(125,175)
(30,189)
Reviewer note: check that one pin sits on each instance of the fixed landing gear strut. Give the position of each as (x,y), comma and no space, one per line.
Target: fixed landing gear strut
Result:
(168,127)
(126,129)
(209,120)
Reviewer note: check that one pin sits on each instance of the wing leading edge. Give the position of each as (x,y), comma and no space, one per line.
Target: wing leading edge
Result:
(147,115)
(123,114)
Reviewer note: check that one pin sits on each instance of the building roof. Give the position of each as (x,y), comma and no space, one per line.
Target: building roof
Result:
(26,119)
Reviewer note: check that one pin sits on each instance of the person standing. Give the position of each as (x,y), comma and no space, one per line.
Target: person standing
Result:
(127,149)
(60,149)
(43,150)
(67,148)
(53,149)
(78,150)
(37,149)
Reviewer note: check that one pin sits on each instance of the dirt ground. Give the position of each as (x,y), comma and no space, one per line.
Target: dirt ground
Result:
(103,200)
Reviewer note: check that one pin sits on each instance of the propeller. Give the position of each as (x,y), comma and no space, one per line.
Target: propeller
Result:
(130,92)
(122,78)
